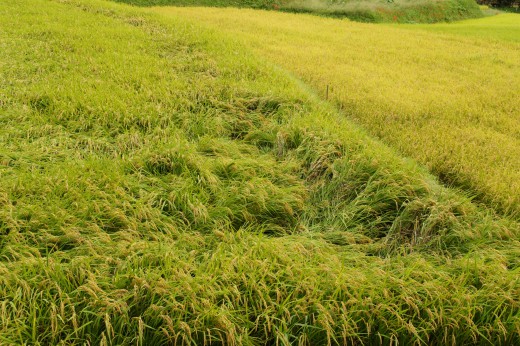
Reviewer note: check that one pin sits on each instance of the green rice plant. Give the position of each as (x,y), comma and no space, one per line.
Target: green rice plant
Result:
(159,184)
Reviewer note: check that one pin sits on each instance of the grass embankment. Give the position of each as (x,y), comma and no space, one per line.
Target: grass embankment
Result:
(160,185)
(449,101)
(401,11)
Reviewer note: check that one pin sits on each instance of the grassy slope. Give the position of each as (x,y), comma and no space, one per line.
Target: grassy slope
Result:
(449,101)
(158,184)
(403,11)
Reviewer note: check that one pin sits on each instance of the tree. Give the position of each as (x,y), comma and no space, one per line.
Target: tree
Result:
(500,3)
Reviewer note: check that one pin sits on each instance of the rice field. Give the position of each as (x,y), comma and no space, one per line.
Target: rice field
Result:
(443,94)
(502,27)
(162,184)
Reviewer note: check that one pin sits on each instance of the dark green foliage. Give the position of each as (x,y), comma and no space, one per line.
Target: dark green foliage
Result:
(500,3)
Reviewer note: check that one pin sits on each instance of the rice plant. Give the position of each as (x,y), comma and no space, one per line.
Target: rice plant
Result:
(161,185)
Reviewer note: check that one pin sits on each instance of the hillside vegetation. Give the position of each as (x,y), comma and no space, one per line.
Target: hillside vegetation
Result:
(402,11)
(441,94)
(161,185)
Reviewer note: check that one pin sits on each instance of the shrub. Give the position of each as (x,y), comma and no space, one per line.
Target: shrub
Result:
(500,3)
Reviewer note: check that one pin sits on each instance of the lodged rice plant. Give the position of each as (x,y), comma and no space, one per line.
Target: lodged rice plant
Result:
(444,94)
(161,185)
